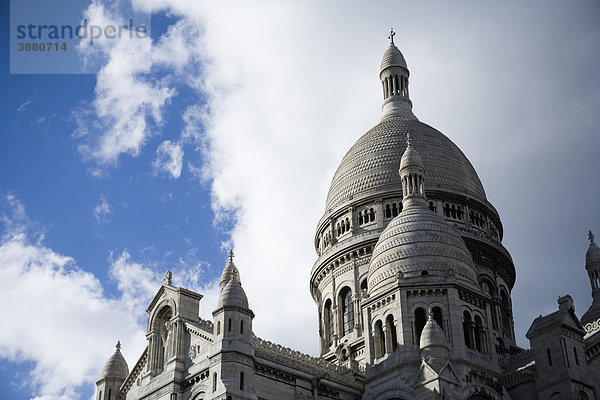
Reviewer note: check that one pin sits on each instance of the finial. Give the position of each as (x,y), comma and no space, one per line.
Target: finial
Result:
(231,256)
(167,278)
(119,345)
(430,315)
(408,141)
(591,237)
(391,37)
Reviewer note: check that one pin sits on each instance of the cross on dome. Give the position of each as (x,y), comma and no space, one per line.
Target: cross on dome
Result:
(391,36)
(119,345)
(231,256)
(591,237)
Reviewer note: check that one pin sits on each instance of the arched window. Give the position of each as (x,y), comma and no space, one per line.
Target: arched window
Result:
(162,341)
(379,340)
(505,305)
(394,210)
(109,394)
(242,380)
(229,325)
(328,318)
(100,395)
(420,320)
(438,316)
(432,207)
(390,329)
(347,310)
(478,334)
(218,328)
(214,382)
(467,323)
(363,285)
(242,327)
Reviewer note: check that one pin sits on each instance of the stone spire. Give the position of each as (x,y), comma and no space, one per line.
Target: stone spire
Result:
(432,344)
(232,293)
(116,366)
(229,272)
(592,265)
(412,174)
(394,80)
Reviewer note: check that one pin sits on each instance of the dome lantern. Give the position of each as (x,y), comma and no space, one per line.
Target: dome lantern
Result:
(592,265)
(412,175)
(394,81)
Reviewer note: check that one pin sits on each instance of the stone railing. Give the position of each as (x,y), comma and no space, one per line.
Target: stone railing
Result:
(592,328)
(295,359)
(519,360)
(206,326)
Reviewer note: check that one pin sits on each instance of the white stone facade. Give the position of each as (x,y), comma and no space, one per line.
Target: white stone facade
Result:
(412,286)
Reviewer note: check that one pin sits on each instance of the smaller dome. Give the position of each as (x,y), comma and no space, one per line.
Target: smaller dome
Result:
(433,344)
(410,157)
(116,366)
(232,295)
(393,58)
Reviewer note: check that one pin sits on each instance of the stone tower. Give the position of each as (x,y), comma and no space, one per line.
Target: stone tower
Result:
(366,194)
(113,375)
(232,353)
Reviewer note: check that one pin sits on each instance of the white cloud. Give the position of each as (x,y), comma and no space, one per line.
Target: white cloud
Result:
(63,312)
(169,159)
(128,104)
(294,85)
(102,211)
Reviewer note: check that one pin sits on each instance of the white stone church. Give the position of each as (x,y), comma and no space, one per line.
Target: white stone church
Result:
(412,286)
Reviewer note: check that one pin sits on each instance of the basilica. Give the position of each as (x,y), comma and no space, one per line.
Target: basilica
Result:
(412,286)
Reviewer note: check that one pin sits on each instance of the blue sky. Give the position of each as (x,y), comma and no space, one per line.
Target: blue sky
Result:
(230,139)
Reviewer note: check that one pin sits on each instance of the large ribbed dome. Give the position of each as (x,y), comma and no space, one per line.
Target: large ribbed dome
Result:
(371,165)
(419,243)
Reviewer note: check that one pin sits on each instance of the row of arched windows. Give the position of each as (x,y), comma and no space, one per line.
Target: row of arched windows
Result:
(392,210)
(342,226)
(476,219)
(453,211)
(346,321)
(473,332)
(385,340)
(365,216)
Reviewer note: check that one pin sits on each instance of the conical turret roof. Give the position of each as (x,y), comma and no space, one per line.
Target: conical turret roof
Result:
(116,366)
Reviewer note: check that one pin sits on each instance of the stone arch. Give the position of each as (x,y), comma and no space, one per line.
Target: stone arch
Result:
(379,339)
(328,322)
(162,335)
(346,307)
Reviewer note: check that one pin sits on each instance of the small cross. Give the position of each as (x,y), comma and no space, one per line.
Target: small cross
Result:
(119,345)
(408,141)
(231,256)
(591,237)
(391,37)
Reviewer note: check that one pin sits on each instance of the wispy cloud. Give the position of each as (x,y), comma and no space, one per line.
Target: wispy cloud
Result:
(21,109)
(103,211)
(169,159)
